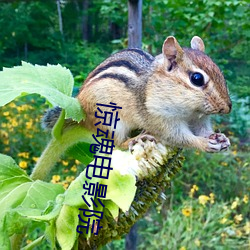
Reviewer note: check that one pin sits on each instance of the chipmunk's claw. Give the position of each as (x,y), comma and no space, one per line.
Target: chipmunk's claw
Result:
(141,139)
(218,142)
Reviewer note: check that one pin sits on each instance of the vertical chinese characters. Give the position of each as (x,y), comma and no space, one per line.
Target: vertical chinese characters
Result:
(100,168)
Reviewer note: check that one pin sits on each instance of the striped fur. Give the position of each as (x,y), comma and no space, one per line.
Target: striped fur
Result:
(156,94)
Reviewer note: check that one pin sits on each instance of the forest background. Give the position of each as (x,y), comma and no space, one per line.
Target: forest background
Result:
(207,205)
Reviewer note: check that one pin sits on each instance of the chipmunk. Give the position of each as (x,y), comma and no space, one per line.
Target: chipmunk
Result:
(170,97)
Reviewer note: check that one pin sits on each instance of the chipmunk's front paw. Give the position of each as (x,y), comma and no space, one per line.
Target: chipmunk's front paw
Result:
(141,139)
(217,142)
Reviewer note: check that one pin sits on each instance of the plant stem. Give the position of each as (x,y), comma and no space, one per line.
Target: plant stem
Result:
(52,153)
(16,240)
(56,147)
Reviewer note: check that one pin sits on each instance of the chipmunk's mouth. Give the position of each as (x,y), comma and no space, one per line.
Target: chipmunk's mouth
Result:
(224,108)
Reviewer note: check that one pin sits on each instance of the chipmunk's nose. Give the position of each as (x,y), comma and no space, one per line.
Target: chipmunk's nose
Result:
(227,108)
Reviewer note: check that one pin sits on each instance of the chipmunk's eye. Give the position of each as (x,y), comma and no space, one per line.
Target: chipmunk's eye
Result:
(197,79)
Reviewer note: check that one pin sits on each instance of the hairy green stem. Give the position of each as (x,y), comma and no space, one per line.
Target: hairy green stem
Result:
(56,147)
(52,153)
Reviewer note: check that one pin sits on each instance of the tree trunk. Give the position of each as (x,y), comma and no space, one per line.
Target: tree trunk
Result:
(135,23)
(59,16)
(85,20)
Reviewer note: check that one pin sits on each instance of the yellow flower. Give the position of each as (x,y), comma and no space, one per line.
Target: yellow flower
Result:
(23,107)
(4,134)
(14,123)
(6,149)
(187,211)
(225,164)
(197,242)
(238,218)
(234,152)
(6,141)
(29,124)
(245,199)
(73,168)
(203,199)
(65,185)
(35,159)
(55,178)
(65,163)
(24,154)
(193,190)
(238,233)
(247,227)
(12,105)
(6,113)
(211,195)
(235,203)
(70,178)
(77,162)
(23,164)
(223,220)
(183,248)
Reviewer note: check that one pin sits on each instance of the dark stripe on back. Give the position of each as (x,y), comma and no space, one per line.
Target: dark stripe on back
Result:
(142,53)
(118,63)
(118,77)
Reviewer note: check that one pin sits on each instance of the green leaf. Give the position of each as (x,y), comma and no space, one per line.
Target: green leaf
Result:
(39,194)
(4,240)
(45,216)
(14,198)
(50,234)
(73,195)
(9,168)
(14,223)
(6,186)
(66,224)
(53,82)
(80,151)
(121,189)
(20,197)
(27,200)
(112,207)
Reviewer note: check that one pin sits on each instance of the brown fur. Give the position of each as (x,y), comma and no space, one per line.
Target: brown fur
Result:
(156,94)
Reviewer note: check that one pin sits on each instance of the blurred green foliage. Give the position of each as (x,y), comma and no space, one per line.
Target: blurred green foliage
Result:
(30,32)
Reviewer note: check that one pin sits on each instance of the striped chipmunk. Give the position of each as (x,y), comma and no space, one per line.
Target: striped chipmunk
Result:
(168,97)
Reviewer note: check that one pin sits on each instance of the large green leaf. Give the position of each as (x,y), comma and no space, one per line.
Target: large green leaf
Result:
(73,195)
(39,194)
(53,82)
(7,185)
(121,189)
(22,200)
(80,151)
(66,224)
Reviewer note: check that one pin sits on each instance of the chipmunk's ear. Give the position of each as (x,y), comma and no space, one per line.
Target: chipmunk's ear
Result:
(171,49)
(197,43)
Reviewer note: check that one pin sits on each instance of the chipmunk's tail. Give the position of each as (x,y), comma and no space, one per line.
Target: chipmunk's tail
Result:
(50,118)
